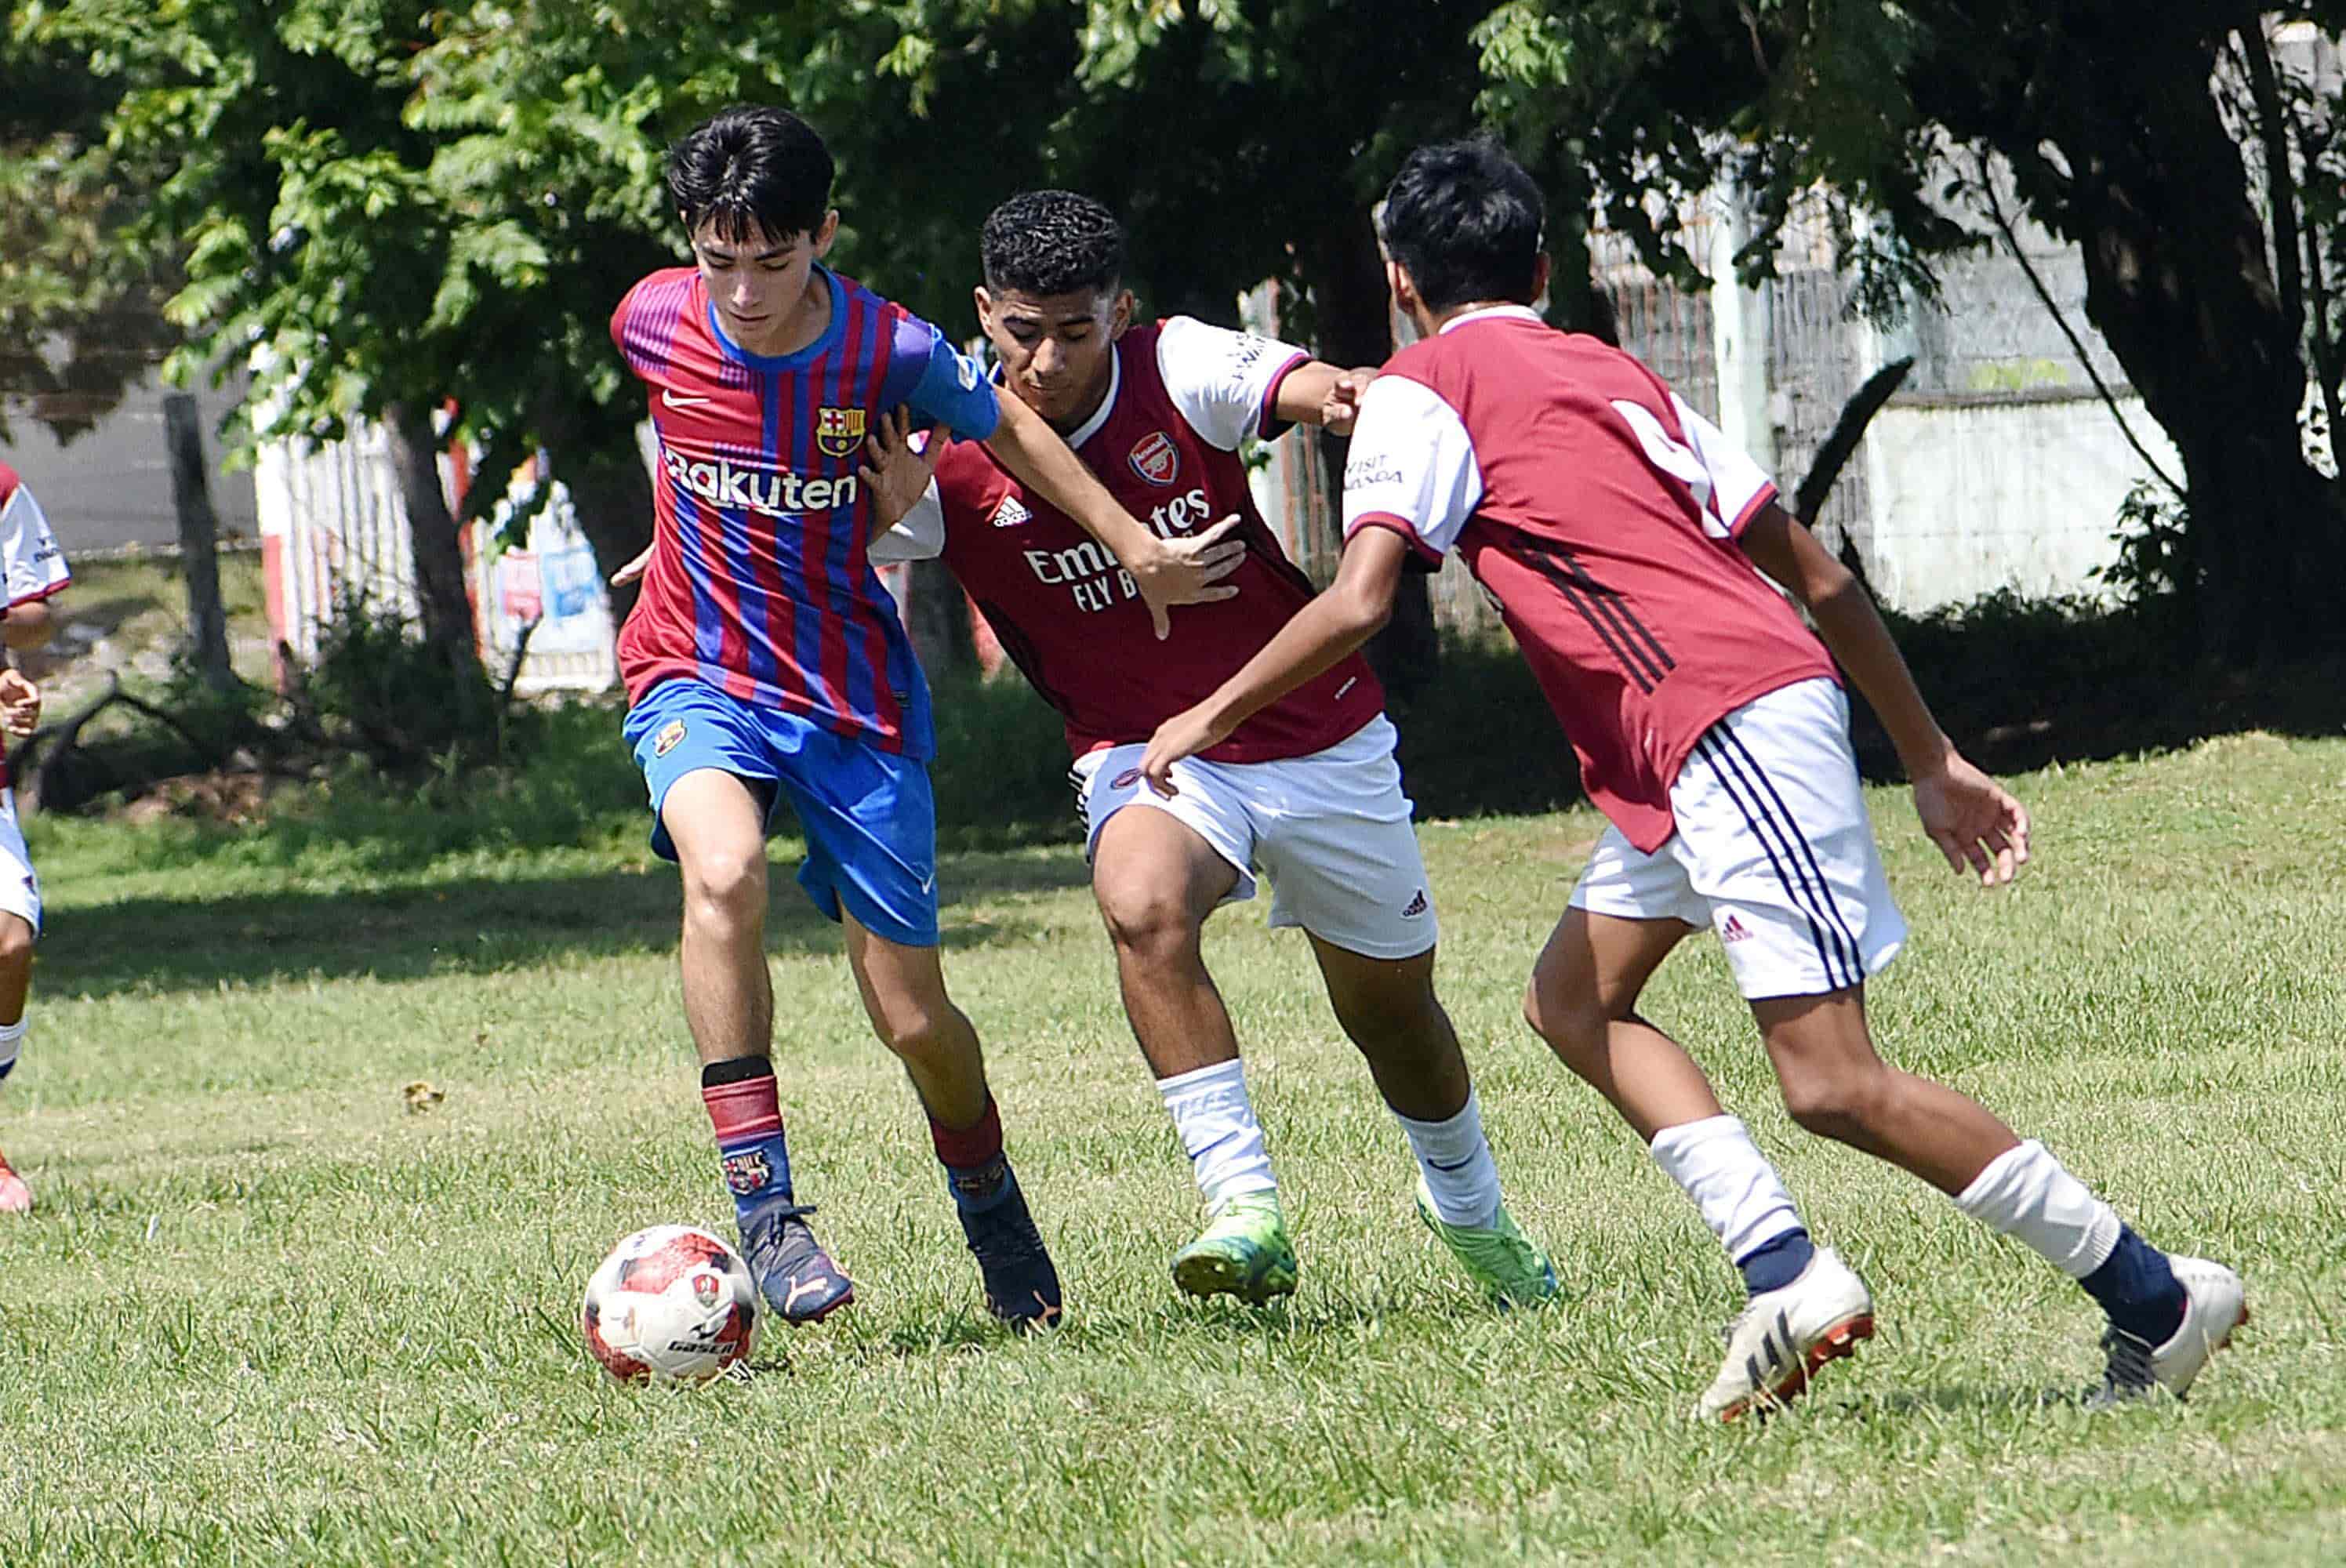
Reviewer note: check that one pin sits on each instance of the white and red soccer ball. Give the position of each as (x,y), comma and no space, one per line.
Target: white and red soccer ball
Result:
(670,1304)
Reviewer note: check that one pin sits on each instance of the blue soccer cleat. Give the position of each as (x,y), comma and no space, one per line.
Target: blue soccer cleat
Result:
(1022,1288)
(796,1276)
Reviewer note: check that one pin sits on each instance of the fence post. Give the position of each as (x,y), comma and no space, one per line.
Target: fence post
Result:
(1739,337)
(198,539)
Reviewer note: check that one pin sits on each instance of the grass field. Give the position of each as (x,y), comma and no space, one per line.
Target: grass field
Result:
(265,1315)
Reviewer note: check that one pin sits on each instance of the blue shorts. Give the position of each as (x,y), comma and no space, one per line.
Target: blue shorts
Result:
(870,820)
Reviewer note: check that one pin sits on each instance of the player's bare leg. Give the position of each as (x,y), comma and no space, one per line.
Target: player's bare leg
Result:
(15,985)
(1805,1307)
(1155,879)
(1389,1009)
(2167,1315)
(904,991)
(1836,1086)
(1582,1001)
(718,827)
(717,824)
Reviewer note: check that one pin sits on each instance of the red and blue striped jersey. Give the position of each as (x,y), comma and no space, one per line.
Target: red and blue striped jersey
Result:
(759,582)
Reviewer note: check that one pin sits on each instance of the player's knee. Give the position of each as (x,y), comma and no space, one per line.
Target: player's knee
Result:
(726,886)
(1572,1025)
(1838,1102)
(1152,924)
(16,947)
(917,1031)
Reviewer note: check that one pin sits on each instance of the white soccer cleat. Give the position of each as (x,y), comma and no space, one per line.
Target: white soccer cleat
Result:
(1785,1335)
(2214,1303)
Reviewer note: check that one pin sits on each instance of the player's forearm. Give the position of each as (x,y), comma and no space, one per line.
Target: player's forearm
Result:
(1039,460)
(1326,631)
(1851,629)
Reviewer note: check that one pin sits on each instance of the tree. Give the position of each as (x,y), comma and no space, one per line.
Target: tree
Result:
(80,316)
(2121,125)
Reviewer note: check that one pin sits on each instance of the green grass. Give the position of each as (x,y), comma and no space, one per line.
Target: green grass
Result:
(266,1315)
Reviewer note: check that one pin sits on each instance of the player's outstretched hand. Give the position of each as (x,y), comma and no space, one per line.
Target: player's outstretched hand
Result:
(1342,403)
(633,569)
(1974,820)
(1188,572)
(20,703)
(1185,734)
(895,471)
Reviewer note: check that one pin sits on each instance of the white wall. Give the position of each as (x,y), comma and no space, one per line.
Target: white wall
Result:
(1970,495)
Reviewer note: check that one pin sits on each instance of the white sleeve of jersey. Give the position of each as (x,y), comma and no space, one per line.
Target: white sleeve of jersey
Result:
(1412,460)
(33,565)
(1738,485)
(1220,379)
(919,535)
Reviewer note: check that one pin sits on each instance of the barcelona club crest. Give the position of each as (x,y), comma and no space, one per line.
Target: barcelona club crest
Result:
(839,430)
(1156,459)
(666,740)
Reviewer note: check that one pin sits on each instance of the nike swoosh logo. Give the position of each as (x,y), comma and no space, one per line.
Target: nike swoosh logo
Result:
(672,400)
(928,882)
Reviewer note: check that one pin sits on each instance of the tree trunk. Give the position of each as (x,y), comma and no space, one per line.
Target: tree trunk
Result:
(1347,277)
(191,499)
(439,559)
(610,492)
(937,617)
(2176,281)
(2153,188)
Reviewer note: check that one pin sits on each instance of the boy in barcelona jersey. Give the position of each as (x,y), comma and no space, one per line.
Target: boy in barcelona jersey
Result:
(1306,791)
(1627,540)
(764,662)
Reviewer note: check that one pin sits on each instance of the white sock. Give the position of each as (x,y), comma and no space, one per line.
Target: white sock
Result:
(1456,1158)
(1211,1111)
(2029,1195)
(1730,1181)
(11,1040)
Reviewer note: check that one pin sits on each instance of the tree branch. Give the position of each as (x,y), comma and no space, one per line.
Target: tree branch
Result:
(2109,401)
(2280,185)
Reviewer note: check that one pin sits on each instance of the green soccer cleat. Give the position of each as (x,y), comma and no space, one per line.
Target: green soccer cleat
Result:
(1243,1252)
(1508,1265)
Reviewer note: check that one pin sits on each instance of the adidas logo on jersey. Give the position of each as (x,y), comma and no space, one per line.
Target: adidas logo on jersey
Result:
(1012,513)
(1733,930)
(1415,907)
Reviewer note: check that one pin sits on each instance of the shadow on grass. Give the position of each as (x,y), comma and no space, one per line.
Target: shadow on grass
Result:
(470,926)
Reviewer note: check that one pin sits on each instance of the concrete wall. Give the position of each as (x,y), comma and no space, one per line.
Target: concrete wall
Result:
(2020,491)
(112,487)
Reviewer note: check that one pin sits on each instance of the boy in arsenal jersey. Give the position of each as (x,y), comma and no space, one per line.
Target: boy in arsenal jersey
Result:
(1627,540)
(1306,791)
(32,570)
(764,661)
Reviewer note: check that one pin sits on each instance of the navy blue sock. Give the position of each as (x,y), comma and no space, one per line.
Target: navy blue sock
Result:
(2137,1290)
(1778,1263)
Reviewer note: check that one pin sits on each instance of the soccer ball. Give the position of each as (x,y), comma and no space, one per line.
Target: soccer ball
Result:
(671,1304)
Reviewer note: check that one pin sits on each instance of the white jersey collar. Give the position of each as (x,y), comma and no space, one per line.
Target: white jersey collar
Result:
(1091,427)
(1491,312)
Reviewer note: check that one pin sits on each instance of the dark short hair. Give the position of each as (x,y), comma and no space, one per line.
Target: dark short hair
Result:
(750,167)
(1465,219)
(1048,242)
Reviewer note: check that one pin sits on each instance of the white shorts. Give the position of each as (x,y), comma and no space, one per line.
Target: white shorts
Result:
(1773,850)
(20,889)
(1332,831)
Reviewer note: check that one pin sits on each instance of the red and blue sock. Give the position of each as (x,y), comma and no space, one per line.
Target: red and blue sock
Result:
(975,1167)
(746,1113)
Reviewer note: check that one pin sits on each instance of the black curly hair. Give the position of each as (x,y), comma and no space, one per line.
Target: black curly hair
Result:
(1046,242)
